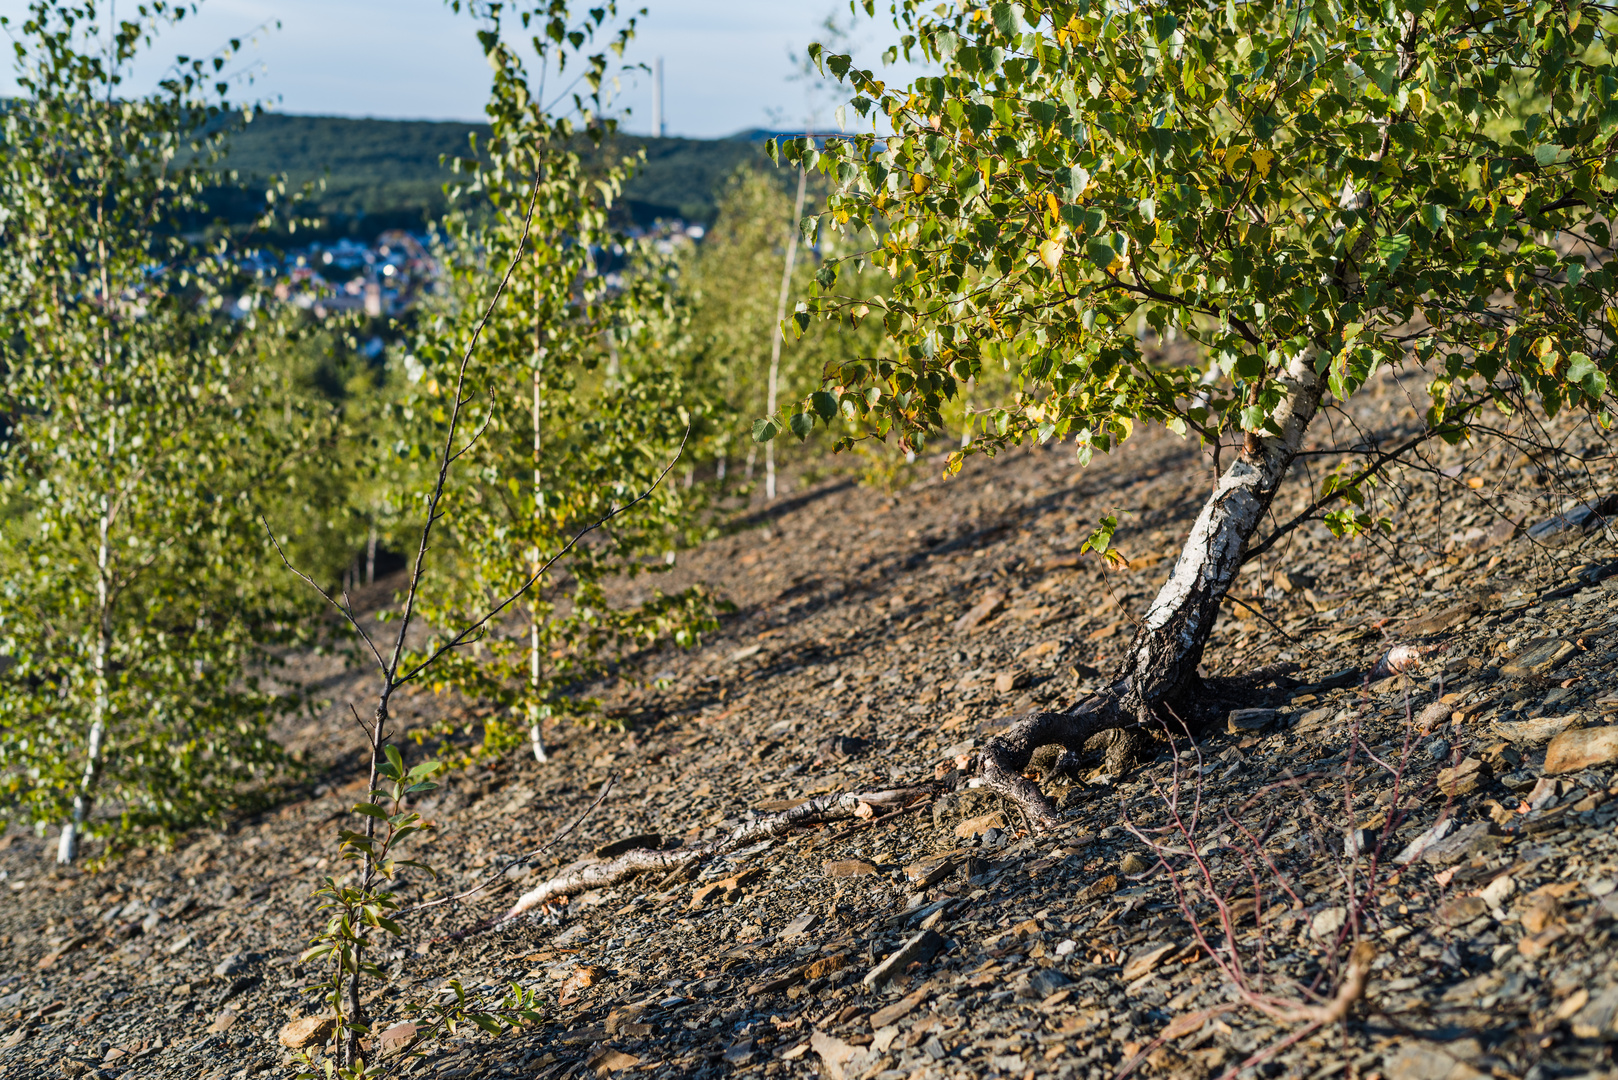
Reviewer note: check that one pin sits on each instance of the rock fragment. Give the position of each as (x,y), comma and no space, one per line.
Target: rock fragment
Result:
(1573,751)
(918,949)
(847,868)
(307,1031)
(991,604)
(1248,721)
(1146,960)
(1538,658)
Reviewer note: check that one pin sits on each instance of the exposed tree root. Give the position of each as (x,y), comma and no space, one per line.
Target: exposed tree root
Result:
(679,862)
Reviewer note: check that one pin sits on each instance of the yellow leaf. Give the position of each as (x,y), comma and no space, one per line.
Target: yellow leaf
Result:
(1417,99)
(1053,205)
(1050,253)
(919,183)
(1263,158)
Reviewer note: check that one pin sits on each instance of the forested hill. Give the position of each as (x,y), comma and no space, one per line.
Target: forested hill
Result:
(386,173)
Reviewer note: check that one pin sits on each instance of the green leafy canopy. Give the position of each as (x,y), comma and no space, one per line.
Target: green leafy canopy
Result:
(1362,183)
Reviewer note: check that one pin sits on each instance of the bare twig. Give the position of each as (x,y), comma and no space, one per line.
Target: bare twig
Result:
(342,610)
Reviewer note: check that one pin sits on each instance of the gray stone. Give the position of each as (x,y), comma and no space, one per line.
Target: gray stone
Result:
(919,949)
(1538,658)
(234,964)
(1571,525)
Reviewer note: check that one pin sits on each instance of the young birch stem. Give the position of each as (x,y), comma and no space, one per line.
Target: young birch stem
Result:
(780,317)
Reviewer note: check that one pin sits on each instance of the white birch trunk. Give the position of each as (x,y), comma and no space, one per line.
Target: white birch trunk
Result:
(535,735)
(67,845)
(775,340)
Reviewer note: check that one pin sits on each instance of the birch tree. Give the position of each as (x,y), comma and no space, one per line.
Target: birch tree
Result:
(133,451)
(1309,192)
(561,435)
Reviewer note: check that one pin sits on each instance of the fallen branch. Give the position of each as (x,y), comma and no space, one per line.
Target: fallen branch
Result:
(681,861)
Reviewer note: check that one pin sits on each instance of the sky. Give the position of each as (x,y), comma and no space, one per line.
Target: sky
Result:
(728,64)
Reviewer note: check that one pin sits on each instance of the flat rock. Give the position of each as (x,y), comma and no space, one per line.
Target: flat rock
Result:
(1541,729)
(1598,1019)
(1469,840)
(1145,960)
(977,826)
(1423,842)
(919,949)
(1423,1061)
(1572,751)
(841,1059)
(1462,910)
(847,868)
(1439,621)
(306,1032)
(1539,657)
(724,890)
(925,873)
(1570,525)
(900,1009)
(396,1038)
(799,927)
(1245,721)
(1040,651)
(991,604)
(1463,779)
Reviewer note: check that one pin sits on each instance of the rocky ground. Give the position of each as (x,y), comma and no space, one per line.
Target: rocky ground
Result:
(1191,917)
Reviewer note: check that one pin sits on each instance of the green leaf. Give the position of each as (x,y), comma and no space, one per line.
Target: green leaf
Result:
(765,430)
(1393,250)
(824,405)
(803,424)
(370,809)
(1382,69)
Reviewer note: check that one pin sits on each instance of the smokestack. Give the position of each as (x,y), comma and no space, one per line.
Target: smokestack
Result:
(659,128)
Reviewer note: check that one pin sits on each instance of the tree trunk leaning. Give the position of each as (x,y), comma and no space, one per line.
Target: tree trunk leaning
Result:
(1163,656)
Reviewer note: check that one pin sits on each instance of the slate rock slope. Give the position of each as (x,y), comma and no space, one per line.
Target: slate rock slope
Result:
(1187,919)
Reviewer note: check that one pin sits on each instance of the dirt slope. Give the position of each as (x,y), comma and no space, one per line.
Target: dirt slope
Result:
(1211,896)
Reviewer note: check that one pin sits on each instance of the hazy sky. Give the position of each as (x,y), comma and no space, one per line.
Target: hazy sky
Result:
(727,63)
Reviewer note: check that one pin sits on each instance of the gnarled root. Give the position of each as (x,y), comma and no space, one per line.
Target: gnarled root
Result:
(1007,754)
(681,861)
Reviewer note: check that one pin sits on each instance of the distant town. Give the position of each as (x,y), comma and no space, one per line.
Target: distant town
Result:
(397,270)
